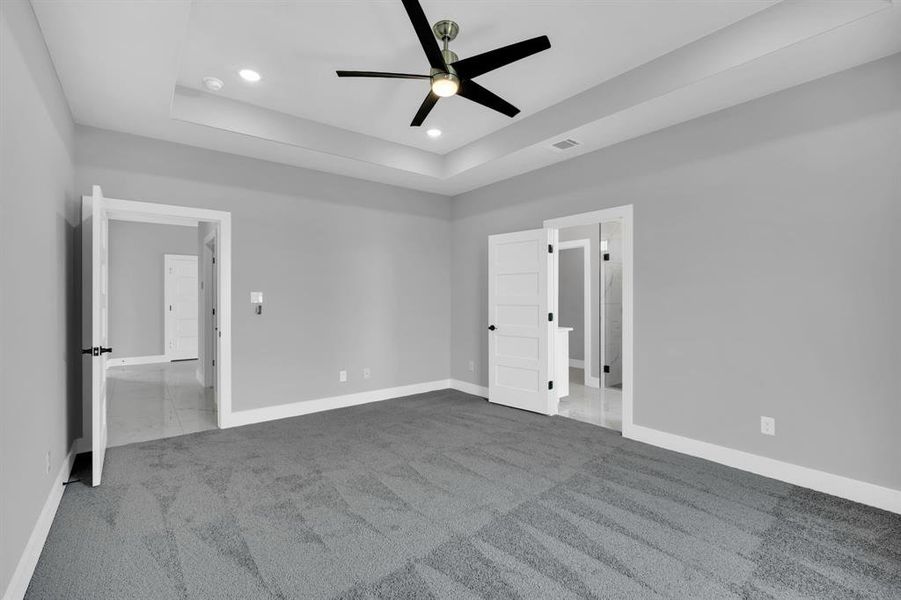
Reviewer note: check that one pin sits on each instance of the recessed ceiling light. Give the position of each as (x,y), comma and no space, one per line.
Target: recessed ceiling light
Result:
(433,133)
(214,84)
(249,75)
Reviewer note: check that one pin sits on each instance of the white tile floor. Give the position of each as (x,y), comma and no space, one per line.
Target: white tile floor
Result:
(603,407)
(149,402)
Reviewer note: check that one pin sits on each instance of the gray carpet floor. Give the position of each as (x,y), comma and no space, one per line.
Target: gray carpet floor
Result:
(444,495)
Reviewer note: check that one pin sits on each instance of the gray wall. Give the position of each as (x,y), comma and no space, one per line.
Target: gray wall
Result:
(354,274)
(571,301)
(39,362)
(136,324)
(767,271)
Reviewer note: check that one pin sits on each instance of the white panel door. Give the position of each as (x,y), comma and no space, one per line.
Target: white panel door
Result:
(520,304)
(95,321)
(181,307)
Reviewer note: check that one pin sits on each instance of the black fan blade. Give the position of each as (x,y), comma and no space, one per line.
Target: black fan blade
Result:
(424,33)
(474,66)
(473,91)
(381,74)
(424,109)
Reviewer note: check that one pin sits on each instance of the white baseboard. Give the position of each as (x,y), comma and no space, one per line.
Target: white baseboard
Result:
(18,584)
(469,388)
(296,409)
(575,363)
(136,360)
(836,485)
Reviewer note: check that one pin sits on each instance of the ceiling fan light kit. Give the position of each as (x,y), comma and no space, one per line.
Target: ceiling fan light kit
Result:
(450,76)
(445,85)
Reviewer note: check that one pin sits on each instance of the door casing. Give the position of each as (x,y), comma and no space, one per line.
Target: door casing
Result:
(623,214)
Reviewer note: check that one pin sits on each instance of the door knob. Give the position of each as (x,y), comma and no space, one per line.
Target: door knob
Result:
(491,328)
(105,350)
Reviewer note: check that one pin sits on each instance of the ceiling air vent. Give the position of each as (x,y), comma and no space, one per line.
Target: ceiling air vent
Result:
(565,144)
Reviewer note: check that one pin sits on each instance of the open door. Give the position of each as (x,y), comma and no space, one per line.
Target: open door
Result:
(95,330)
(522,318)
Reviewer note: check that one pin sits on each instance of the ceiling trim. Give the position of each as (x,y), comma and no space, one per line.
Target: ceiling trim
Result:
(192,106)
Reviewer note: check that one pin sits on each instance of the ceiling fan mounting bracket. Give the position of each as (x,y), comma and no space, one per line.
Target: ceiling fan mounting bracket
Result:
(446,30)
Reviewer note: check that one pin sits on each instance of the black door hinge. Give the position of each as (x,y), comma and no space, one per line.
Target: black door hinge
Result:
(214,311)
(550,248)
(606,368)
(550,316)
(214,260)
(95,351)
(550,385)
(606,256)
(214,362)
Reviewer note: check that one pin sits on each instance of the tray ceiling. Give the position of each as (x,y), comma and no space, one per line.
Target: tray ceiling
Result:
(616,70)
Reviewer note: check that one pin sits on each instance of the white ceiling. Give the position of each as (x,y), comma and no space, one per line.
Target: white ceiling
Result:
(615,70)
(298,45)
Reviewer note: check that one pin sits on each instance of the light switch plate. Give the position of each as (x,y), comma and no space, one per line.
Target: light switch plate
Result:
(768,425)
(256,297)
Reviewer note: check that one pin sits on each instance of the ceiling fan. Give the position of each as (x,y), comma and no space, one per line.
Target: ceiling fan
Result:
(451,76)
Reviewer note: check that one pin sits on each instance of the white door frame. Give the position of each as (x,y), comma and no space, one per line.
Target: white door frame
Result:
(623,214)
(168,331)
(585,246)
(168,214)
(207,320)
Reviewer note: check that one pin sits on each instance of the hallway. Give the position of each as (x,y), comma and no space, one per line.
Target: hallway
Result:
(149,402)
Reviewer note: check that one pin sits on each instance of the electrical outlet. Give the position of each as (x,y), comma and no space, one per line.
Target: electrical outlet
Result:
(768,425)
(472,366)
(366,373)
(342,376)
(47,466)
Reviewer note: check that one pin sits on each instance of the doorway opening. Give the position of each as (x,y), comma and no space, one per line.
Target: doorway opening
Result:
(599,282)
(154,335)
(529,343)
(147,297)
